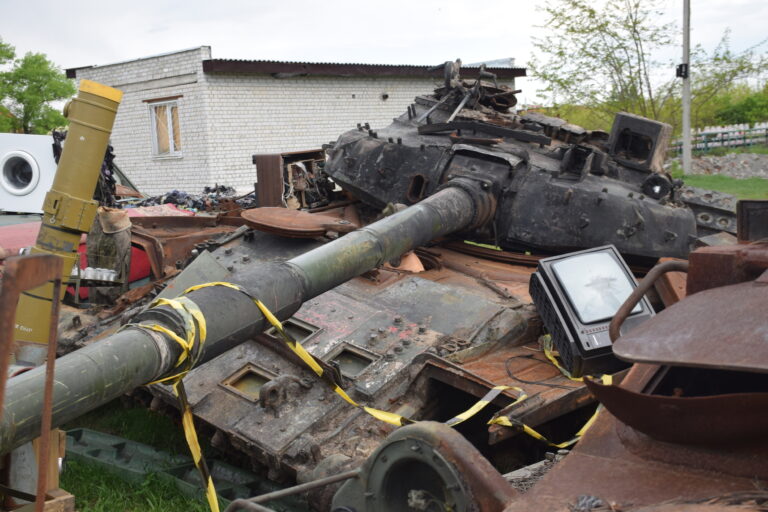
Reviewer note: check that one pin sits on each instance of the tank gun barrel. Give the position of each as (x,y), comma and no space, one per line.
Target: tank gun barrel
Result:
(135,356)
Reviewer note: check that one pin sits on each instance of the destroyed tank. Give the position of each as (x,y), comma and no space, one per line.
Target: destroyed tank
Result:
(403,314)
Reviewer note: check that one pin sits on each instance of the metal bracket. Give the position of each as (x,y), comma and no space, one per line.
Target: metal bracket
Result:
(66,211)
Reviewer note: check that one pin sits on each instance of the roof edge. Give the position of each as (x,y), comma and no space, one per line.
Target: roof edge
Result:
(339,69)
(72,72)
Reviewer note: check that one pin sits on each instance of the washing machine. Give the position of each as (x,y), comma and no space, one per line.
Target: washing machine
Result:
(27,169)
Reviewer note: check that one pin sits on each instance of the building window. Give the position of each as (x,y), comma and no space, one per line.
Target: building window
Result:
(166,133)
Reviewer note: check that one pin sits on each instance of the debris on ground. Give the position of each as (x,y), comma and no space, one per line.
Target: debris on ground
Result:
(209,199)
(525,478)
(735,165)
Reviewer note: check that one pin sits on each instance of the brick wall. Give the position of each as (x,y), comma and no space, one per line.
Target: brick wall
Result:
(252,114)
(152,78)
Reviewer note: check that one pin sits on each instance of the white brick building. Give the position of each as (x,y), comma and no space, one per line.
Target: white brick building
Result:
(187,121)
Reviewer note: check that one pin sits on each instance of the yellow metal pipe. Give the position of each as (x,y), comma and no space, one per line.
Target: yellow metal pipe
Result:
(68,210)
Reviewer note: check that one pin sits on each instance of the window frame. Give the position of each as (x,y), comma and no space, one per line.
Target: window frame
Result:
(172,151)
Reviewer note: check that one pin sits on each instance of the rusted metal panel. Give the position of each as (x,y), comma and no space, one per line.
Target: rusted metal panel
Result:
(19,275)
(269,176)
(603,467)
(700,330)
(671,285)
(298,223)
(724,265)
(496,279)
(168,240)
(630,470)
(721,419)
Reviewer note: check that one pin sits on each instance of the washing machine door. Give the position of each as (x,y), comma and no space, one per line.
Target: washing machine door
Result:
(27,169)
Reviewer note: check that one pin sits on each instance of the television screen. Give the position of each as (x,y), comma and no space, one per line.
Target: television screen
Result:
(595,285)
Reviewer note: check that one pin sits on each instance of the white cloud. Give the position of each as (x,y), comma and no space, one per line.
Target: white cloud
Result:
(86,32)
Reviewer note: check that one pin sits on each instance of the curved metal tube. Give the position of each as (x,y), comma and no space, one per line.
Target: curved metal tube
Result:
(251,503)
(99,372)
(614,329)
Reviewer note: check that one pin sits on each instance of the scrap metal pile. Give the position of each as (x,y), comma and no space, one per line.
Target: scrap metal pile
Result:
(208,200)
(403,321)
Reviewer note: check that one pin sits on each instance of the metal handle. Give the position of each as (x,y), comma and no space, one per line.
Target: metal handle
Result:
(650,278)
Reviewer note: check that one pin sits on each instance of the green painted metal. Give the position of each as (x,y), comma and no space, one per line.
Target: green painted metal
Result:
(135,356)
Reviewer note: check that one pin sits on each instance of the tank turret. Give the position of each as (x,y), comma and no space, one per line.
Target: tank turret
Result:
(555,186)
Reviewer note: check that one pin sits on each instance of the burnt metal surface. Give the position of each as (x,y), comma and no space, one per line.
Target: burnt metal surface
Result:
(557,187)
(417,343)
(752,220)
(292,180)
(672,436)
(603,466)
(701,330)
(168,240)
(630,470)
(715,211)
(389,325)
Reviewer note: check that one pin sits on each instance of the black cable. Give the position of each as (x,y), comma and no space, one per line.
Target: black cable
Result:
(534,382)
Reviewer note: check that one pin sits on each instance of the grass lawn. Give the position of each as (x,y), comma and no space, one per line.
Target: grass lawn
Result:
(135,423)
(750,188)
(96,490)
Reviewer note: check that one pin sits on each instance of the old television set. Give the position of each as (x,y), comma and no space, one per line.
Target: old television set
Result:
(577,294)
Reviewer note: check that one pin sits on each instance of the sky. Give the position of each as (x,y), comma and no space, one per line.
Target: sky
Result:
(425,32)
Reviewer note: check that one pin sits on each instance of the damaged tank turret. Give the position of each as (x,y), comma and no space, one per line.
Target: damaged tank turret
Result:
(555,186)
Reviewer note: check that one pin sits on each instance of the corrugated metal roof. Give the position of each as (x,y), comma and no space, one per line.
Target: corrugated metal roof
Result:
(340,69)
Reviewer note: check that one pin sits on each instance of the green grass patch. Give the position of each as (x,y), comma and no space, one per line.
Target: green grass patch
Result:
(96,490)
(135,423)
(750,188)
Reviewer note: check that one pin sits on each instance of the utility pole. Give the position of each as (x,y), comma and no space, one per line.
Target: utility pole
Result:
(683,71)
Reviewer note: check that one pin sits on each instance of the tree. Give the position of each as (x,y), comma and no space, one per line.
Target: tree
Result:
(603,58)
(28,88)
(7,53)
(751,109)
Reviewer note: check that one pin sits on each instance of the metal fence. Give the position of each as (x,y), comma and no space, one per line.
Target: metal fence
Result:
(732,136)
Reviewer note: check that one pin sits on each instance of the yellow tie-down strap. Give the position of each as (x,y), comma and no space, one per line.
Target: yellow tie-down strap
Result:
(550,354)
(506,422)
(192,315)
(309,360)
(191,347)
